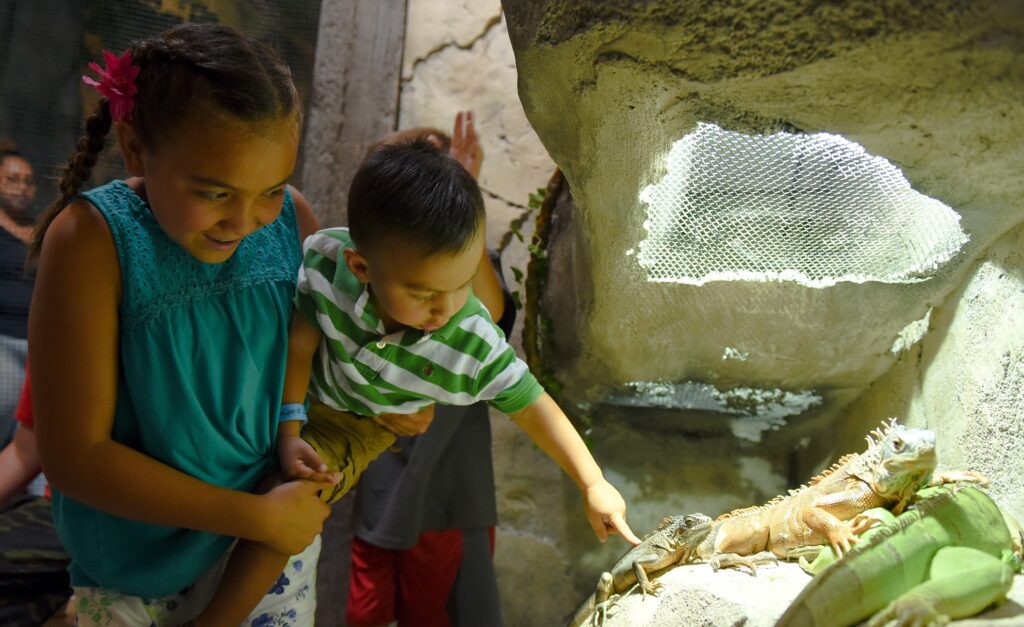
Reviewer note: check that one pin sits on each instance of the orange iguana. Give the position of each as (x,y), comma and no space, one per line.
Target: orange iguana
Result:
(898,462)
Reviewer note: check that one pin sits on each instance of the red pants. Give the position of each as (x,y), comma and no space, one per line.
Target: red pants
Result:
(411,586)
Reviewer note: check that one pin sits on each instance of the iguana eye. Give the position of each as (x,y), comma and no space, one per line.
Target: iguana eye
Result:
(690,521)
(897,444)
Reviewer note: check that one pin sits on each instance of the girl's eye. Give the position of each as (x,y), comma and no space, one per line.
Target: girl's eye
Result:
(275,193)
(425,299)
(213,196)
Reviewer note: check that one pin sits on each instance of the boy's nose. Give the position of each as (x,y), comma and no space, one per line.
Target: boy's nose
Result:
(444,306)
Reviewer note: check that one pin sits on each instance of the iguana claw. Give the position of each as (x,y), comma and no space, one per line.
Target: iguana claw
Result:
(908,612)
(960,476)
(601,611)
(732,560)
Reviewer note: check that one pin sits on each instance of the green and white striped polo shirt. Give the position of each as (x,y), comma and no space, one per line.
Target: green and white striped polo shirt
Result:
(360,368)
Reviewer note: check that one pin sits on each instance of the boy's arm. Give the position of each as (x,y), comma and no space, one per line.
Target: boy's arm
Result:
(549,428)
(297,458)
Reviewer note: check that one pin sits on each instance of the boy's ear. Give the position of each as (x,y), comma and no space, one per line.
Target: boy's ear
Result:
(131,148)
(357,265)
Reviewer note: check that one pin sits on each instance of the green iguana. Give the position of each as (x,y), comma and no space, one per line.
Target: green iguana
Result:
(950,557)
(897,463)
(671,543)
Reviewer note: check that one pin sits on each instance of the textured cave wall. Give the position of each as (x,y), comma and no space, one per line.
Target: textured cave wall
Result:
(938,91)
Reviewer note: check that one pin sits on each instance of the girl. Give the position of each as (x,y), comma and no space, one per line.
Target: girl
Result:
(159,332)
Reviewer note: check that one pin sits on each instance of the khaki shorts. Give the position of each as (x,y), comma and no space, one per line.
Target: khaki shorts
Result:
(347,443)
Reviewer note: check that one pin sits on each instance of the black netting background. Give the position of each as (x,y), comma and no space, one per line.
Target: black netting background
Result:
(46,45)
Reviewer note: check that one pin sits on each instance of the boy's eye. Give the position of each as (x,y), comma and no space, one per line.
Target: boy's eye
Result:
(275,193)
(425,299)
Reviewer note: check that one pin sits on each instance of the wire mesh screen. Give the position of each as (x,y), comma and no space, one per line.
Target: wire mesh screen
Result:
(46,45)
(815,209)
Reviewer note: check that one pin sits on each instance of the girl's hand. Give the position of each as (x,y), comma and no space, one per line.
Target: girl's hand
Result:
(606,512)
(407,424)
(293,515)
(299,460)
(465,146)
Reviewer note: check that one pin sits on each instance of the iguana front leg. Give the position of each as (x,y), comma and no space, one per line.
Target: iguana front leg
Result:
(646,585)
(841,534)
(959,476)
(865,525)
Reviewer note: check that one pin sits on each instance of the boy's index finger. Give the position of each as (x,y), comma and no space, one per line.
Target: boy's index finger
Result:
(619,523)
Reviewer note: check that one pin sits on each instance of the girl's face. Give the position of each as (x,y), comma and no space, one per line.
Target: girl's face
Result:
(213,184)
(410,290)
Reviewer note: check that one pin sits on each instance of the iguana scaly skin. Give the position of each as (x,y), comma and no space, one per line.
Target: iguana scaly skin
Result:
(947,558)
(673,542)
(898,461)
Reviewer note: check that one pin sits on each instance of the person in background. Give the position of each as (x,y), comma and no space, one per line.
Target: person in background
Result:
(33,564)
(17,192)
(159,328)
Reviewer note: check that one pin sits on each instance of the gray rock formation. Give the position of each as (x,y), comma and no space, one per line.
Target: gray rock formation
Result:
(706,386)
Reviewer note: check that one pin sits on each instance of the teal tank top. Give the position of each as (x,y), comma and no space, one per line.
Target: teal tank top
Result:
(203,349)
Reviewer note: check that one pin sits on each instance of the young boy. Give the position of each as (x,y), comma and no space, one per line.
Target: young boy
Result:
(386,323)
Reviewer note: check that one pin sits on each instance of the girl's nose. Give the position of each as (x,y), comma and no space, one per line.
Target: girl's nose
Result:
(240,219)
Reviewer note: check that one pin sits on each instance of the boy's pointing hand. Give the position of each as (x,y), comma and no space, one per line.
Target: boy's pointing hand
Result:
(606,512)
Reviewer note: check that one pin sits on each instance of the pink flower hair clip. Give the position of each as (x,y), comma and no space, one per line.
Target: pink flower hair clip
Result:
(117,84)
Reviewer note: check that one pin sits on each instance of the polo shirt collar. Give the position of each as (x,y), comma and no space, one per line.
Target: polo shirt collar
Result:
(363,309)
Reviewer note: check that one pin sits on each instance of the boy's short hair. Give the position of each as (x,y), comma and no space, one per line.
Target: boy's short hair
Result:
(413,190)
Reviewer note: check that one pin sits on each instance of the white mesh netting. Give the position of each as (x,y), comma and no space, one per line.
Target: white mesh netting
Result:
(815,209)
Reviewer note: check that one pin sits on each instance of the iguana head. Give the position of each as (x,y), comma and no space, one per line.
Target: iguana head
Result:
(687,532)
(899,460)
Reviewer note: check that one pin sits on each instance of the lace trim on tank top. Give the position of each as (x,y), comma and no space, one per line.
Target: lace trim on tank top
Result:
(158,274)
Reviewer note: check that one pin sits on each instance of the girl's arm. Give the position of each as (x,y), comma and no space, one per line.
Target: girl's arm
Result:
(549,428)
(73,331)
(303,215)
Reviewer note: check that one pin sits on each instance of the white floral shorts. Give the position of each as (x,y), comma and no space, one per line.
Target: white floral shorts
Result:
(290,602)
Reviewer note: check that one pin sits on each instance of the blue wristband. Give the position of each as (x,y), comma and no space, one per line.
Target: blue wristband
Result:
(293,411)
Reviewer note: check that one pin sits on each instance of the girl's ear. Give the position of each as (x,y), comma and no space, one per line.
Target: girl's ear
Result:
(357,264)
(131,148)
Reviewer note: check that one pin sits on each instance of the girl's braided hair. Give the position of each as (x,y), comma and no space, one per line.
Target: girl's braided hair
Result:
(185,68)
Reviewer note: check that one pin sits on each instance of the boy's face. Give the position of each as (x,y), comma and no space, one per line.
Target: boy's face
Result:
(411,290)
